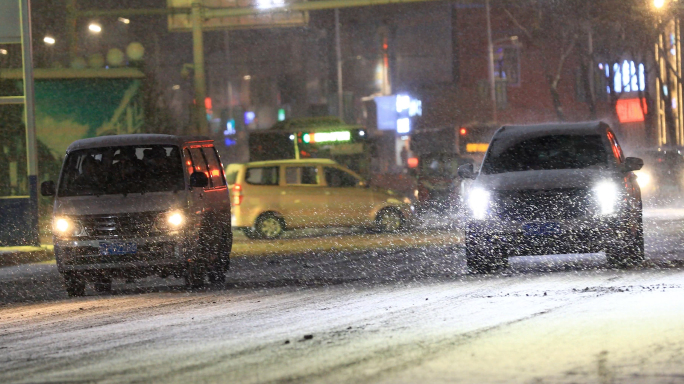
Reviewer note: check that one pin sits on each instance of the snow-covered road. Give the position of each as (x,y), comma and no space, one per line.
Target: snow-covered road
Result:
(386,317)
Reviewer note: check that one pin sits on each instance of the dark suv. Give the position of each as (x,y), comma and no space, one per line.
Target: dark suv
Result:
(553,189)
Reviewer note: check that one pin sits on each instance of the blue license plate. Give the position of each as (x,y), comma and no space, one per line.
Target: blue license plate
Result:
(541,229)
(107,249)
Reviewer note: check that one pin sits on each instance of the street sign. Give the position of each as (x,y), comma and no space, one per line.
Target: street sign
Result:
(10,27)
(181,22)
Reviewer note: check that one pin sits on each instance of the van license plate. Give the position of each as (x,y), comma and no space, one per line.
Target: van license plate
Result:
(541,229)
(107,249)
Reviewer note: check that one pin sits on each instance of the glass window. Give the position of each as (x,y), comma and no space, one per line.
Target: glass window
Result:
(215,170)
(262,176)
(231,178)
(545,152)
(115,170)
(338,178)
(301,175)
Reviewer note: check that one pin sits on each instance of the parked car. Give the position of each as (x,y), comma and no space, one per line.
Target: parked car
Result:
(438,185)
(136,205)
(553,189)
(269,197)
(662,177)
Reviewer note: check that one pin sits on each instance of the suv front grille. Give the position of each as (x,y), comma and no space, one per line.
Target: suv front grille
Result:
(551,204)
(139,224)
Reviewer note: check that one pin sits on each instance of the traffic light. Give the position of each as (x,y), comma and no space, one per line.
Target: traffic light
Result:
(462,139)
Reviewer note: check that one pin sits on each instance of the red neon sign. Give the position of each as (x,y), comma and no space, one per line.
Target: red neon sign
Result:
(629,110)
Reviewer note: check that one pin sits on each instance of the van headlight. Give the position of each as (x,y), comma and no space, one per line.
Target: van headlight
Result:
(64,226)
(478,202)
(607,195)
(170,221)
(175,219)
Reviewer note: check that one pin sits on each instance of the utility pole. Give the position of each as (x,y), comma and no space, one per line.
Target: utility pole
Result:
(72,32)
(490,49)
(29,116)
(338,51)
(198,64)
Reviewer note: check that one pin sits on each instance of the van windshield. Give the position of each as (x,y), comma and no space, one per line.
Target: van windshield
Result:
(122,170)
(545,153)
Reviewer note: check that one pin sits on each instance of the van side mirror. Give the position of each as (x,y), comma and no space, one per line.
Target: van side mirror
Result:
(198,180)
(466,171)
(47,188)
(632,164)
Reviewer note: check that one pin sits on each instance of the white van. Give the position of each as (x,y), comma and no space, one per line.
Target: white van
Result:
(130,206)
(269,197)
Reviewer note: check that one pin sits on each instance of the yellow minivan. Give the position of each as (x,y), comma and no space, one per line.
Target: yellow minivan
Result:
(269,197)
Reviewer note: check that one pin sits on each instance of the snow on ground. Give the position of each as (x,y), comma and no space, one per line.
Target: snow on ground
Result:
(383,316)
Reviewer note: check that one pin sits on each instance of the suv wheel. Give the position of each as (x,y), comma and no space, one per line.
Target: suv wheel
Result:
(479,261)
(103,284)
(389,220)
(269,226)
(75,284)
(628,250)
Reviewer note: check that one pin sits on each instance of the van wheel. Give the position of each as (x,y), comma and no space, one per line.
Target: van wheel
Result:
(219,266)
(75,285)
(389,220)
(269,226)
(194,275)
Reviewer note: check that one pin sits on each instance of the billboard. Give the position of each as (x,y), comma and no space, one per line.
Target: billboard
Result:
(182,22)
(10,29)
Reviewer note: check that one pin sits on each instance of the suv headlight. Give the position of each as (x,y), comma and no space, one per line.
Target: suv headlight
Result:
(607,195)
(66,227)
(478,202)
(643,178)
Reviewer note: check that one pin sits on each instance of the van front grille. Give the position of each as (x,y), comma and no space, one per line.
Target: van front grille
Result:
(122,225)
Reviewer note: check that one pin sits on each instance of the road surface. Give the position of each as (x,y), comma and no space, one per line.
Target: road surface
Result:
(409,316)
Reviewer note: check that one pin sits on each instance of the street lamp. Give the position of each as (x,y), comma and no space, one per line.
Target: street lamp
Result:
(658,4)
(3,51)
(95,28)
(124,20)
(49,40)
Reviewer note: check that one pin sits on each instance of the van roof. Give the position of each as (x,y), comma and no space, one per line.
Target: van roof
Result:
(135,139)
(286,162)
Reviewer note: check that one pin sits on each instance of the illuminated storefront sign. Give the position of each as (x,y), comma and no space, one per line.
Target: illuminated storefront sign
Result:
(476,147)
(629,110)
(327,137)
(395,113)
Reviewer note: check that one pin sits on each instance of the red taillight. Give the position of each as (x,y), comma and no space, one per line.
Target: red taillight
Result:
(237,194)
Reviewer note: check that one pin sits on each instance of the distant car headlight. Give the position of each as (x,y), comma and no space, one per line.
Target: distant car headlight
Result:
(478,202)
(63,226)
(175,219)
(607,195)
(643,178)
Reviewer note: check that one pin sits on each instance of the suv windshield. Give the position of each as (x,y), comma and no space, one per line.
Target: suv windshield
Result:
(545,153)
(122,170)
